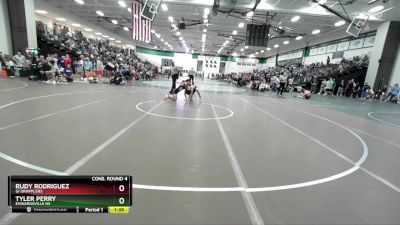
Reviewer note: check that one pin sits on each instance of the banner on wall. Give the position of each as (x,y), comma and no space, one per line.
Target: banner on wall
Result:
(331,48)
(313,51)
(321,50)
(355,44)
(369,41)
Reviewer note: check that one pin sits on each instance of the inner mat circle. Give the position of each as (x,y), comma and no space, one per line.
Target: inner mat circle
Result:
(185,110)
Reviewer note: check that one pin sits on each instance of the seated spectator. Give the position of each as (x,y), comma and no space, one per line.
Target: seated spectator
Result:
(68,73)
(393,94)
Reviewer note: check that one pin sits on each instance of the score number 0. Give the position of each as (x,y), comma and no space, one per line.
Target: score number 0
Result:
(121,188)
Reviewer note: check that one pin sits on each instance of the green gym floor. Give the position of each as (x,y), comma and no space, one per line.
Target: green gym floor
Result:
(235,157)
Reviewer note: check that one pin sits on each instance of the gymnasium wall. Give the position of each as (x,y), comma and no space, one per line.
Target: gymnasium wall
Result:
(5,32)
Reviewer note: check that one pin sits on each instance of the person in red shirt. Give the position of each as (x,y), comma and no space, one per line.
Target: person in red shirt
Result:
(67,61)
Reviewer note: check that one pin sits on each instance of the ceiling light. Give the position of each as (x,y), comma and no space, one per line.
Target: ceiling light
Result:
(203,39)
(256,53)
(181,38)
(376,9)
(206,11)
(316,31)
(173,25)
(122,4)
(234,32)
(162,40)
(246,47)
(268,49)
(100,13)
(75,25)
(321,2)
(118,41)
(204,35)
(205,21)
(155,47)
(286,42)
(224,44)
(61,19)
(276,46)
(164,7)
(80,2)
(114,21)
(126,28)
(295,18)
(242,49)
(98,34)
(129,10)
(299,37)
(262,51)
(178,33)
(112,39)
(241,25)
(204,30)
(250,14)
(88,29)
(340,23)
(205,16)
(158,35)
(152,31)
(105,36)
(170,19)
(41,12)
(234,54)
(251,55)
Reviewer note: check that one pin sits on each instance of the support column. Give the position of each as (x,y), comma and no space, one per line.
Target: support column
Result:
(383,55)
(22,24)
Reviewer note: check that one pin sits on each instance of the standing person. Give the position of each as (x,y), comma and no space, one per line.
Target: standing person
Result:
(175,76)
(341,88)
(87,67)
(68,61)
(329,86)
(282,83)
(99,67)
(191,75)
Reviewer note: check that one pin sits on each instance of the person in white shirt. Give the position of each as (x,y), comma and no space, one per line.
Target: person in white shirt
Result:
(282,83)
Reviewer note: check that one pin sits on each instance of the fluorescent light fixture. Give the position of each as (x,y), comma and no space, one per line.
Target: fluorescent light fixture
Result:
(234,54)
(204,30)
(98,34)
(376,9)
(206,11)
(122,4)
(203,39)
(299,37)
(205,16)
(316,32)
(173,25)
(126,29)
(262,51)
(105,36)
(204,35)
(178,33)
(118,41)
(162,40)
(241,25)
(129,10)
(257,53)
(166,43)
(170,19)
(276,46)
(295,18)
(181,38)
(88,29)
(152,31)
(112,39)
(81,2)
(164,7)
(234,32)
(205,21)
(322,2)
(158,35)
(286,42)
(340,23)
(246,47)
(100,13)
(224,44)
(268,49)
(242,49)
(251,55)
(114,21)
(41,11)
(155,47)
(250,14)
(75,25)
(60,19)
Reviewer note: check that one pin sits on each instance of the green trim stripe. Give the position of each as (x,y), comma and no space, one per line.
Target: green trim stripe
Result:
(154,52)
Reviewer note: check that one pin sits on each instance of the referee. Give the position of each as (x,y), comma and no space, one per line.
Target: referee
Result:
(175,75)
(191,75)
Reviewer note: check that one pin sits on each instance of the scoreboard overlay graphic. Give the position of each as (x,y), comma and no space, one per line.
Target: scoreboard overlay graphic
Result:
(70,194)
